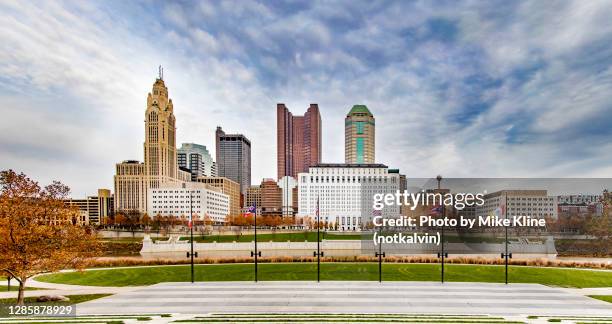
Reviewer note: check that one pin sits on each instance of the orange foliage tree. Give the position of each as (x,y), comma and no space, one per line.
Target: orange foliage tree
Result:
(38,233)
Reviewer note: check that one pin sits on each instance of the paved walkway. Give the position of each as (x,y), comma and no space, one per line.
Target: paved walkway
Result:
(349,297)
(46,288)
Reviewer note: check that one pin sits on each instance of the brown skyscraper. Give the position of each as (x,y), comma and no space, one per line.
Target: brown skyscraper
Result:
(298,140)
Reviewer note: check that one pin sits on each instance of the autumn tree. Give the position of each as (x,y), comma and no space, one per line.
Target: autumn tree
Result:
(120,219)
(145,220)
(37,233)
(600,230)
(133,220)
(288,221)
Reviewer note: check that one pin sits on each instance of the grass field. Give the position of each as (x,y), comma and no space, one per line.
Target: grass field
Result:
(74,299)
(15,287)
(138,276)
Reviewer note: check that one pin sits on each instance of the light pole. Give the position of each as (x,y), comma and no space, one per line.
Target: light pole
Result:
(318,254)
(443,254)
(191,254)
(380,254)
(506,255)
(256,253)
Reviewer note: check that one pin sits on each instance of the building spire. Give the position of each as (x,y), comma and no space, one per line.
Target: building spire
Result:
(161,72)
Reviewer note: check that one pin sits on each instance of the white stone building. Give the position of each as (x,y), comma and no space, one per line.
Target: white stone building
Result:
(178,201)
(287,185)
(345,193)
(533,203)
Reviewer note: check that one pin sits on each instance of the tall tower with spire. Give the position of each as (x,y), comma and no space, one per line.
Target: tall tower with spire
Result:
(133,179)
(160,136)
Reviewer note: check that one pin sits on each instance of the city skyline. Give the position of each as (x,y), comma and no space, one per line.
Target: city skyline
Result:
(463,91)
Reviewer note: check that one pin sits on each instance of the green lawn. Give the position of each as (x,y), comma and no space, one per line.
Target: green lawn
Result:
(333,271)
(606,298)
(15,287)
(74,299)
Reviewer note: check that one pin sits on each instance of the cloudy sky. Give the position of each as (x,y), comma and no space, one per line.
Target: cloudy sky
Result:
(464,89)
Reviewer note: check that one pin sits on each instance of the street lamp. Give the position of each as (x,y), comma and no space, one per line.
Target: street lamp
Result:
(506,255)
(256,253)
(191,254)
(442,254)
(380,254)
(318,253)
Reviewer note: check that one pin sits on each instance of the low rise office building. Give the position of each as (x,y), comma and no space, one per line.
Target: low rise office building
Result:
(94,210)
(343,194)
(205,202)
(228,187)
(532,203)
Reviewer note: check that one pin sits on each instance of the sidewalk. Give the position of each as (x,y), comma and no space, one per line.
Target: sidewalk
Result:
(47,288)
(61,289)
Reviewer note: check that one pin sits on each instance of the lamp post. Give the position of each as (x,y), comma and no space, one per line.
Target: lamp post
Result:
(380,254)
(191,254)
(443,254)
(256,253)
(506,255)
(318,253)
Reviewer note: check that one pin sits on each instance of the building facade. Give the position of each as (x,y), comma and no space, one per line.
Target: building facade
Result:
(233,154)
(579,199)
(253,197)
(298,140)
(288,187)
(96,209)
(344,194)
(130,186)
(359,136)
(205,202)
(581,204)
(133,179)
(532,203)
(271,198)
(228,187)
(197,159)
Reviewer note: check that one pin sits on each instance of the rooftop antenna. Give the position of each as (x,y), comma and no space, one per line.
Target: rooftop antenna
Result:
(161,72)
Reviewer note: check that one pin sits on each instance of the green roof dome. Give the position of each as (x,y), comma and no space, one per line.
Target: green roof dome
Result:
(360,109)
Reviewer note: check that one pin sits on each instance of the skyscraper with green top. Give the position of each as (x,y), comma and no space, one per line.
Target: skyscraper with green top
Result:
(359,130)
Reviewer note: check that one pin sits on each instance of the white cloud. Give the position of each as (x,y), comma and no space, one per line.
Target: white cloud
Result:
(76,68)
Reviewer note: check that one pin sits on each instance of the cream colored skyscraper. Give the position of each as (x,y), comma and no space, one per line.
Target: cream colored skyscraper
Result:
(160,137)
(359,131)
(133,179)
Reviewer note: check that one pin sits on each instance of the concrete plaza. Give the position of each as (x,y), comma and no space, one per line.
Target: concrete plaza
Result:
(349,297)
